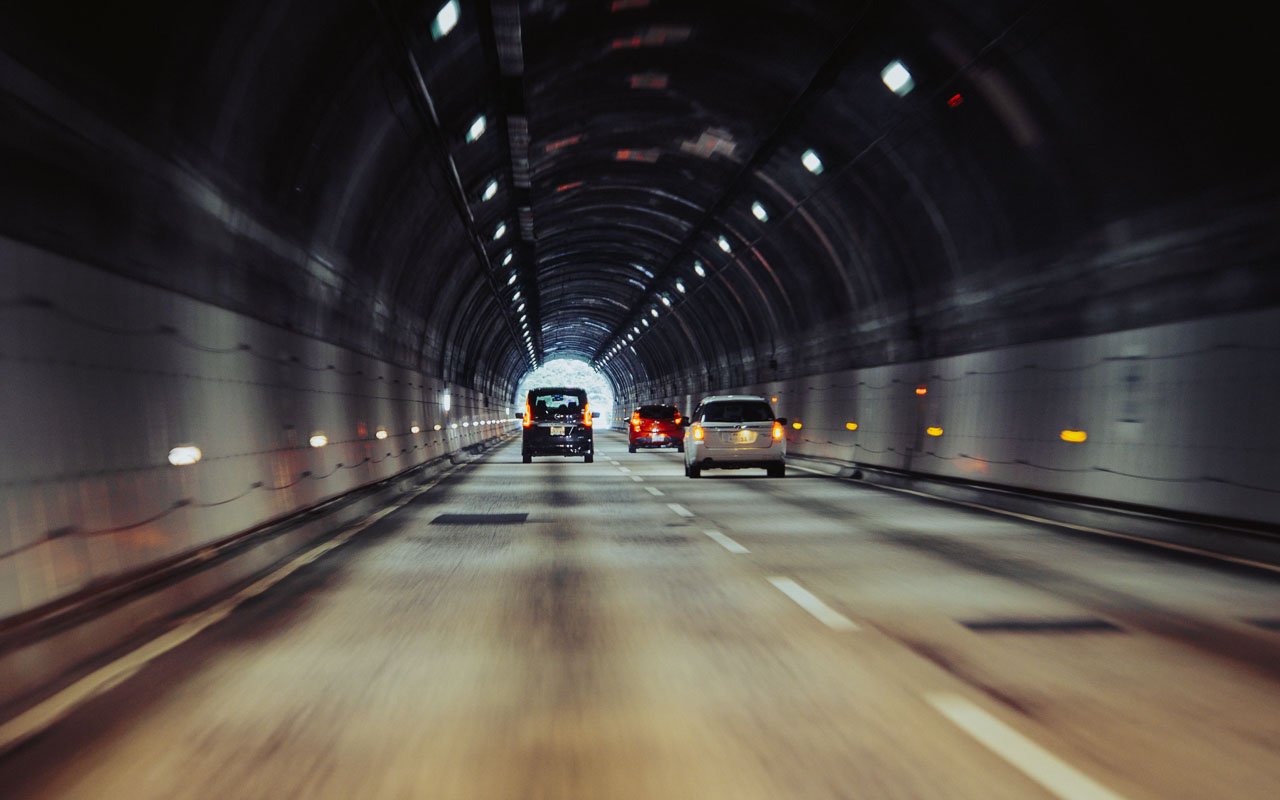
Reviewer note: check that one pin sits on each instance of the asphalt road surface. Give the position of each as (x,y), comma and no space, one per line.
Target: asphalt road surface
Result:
(616,630)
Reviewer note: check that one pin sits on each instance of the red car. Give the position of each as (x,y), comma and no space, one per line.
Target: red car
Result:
(655,426)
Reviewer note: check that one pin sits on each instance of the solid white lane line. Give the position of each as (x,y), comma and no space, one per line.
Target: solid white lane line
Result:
(1058,777)
(1068,525)
(637,479)
(656,492)
(679,509)
(48,711)
(624,470)
(821,611)
(726,542)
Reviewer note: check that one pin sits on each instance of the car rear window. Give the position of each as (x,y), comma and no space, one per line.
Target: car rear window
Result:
(658,412)
(550,405)
(737,411)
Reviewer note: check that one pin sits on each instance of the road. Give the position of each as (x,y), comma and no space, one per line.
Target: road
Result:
(616,630)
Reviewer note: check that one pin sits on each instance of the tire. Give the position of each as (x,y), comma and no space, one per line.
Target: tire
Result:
(695,472)
(777,471)
(679,447)
(588,458)
(631,448)
(527,458)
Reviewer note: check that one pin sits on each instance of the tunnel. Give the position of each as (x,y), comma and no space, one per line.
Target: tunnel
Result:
(274,272)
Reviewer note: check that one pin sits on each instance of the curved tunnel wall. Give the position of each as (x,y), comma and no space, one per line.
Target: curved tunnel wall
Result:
(104,375)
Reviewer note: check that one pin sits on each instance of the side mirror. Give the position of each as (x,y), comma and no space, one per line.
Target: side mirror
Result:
(595,415)
(519,417)
(685,422)
(782,421)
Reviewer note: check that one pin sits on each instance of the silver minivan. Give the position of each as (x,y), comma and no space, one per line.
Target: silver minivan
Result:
(735,431)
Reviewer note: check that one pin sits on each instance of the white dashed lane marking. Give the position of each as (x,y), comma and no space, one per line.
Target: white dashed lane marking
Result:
(637,479)
(624,470)
(679,509)
(821,611)
(1058,777)
(726,542)
(656,492)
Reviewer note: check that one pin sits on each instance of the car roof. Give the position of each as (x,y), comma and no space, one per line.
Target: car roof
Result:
(558,389)
(715,398)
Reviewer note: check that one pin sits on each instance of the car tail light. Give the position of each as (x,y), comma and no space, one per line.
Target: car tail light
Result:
(698,433)
(677,419)
(528,416)
(635,419)
(586,415)
(777,431)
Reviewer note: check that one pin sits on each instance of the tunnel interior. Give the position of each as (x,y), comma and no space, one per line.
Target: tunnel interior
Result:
(248,224)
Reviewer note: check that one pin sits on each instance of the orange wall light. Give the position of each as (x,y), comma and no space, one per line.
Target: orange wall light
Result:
(922,390)
(933,430)
(851,426)
(1073,436)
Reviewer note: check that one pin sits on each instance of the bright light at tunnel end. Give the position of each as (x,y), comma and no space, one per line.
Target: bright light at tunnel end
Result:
(571,372)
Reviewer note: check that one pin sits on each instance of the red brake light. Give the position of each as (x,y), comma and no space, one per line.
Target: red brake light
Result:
(528,415)
(586,414)
(777,431)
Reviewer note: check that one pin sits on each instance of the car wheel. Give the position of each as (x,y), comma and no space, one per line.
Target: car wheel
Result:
(679,447)
(695,472)
(778,471)
(631,448)
(588,458)
(527,458)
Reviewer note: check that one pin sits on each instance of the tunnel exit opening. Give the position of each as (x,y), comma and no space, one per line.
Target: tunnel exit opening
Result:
(569,372)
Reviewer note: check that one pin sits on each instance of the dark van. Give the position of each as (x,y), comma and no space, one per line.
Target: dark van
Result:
(557,422)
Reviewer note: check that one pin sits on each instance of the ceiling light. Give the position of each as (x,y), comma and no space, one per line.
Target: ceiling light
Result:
(635,329)
(812,162)
(490,191)
(630,338)
(477,129)
(446,19)
(645,322)
(520,307)
(380,433)
(758,212)
(698,268)
(500,231)
(653,312)
(680,287)
(512,279)
(666,301)
(516,296)
(724,244)
(318,439)
(507,258)
(898,78)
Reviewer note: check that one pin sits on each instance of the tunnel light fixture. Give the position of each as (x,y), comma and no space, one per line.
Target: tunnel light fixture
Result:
(500,231)
(445,21)
(490,191)
(318,439)
(644,322)
(758,211)
(666,301)
(797,424)
(680,287)
(415,429)
(436,427)
(699,269)
(812,162)
(515,296)
(934,430)
(512,279)
(1069,435)
(465,425)
(631,337)
(898,78)
(635,329)
(477,128)
(508,258)
(520,307)
(380,433)
(446,401)
(454,426)
(851,426)
(653,312)
(723,244)
(184,455)
(922,390)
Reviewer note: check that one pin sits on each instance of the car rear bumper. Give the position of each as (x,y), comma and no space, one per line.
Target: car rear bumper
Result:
(576,444)
(736,463)
(650,441)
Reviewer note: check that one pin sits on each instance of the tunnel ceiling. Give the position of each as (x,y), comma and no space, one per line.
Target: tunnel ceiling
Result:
(677,191)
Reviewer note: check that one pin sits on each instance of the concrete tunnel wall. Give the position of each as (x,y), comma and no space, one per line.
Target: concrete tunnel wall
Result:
(1178,417)
(104,375)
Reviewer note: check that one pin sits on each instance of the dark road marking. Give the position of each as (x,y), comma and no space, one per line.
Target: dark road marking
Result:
(480,519)
(1040,625)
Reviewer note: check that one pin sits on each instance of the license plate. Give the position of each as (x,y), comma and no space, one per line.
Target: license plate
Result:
(658,437)
(557,430)
(744,437)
